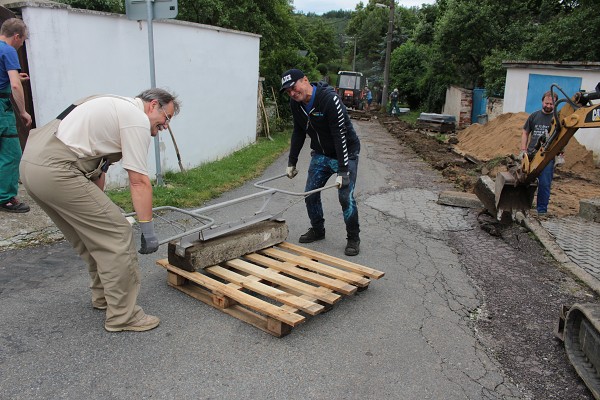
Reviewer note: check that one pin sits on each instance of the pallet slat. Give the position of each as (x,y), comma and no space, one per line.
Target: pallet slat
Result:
(263,323)
(321,268)
(293,270)
(266,290)
(337,262)
(320,293)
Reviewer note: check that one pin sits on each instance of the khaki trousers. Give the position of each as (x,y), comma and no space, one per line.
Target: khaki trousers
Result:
(90,221)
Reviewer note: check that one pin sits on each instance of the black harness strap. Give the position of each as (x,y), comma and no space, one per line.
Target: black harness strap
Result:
(66,112)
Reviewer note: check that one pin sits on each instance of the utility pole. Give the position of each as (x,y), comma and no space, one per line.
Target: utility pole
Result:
(388,54)
(354,58)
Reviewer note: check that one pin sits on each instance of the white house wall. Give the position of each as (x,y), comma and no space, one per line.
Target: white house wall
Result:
(75,53)
(515,97)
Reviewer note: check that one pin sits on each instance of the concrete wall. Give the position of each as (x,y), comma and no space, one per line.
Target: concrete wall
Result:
(459,102)
(75,53)
(494,107)
(517,79)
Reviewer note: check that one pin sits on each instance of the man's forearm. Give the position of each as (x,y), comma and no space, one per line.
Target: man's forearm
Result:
(141,197)
(524,137)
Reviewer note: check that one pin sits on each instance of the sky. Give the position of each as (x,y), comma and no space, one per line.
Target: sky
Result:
(322,6)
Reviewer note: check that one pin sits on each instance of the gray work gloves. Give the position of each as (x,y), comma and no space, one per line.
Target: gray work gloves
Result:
(343,179)
(291,171)
(149,239)
(522,155)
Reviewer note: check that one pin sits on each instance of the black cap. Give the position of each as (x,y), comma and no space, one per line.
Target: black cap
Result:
(289,78)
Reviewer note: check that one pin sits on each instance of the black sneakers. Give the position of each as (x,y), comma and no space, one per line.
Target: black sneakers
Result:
(353,247)
(312,236)
(14,206)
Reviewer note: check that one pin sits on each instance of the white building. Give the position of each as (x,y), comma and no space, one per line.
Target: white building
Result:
(527,81)
(75,53)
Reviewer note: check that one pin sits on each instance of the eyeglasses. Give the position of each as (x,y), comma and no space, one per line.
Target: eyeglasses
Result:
(166,116)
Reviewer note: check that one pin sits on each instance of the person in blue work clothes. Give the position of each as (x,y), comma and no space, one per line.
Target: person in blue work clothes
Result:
(536,129)
(369,98)
(13,34)
(319,113)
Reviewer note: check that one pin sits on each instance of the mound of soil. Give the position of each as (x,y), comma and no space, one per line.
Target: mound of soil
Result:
(483,150)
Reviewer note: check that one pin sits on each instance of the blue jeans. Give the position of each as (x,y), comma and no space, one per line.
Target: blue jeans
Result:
(544,184)
(320,170)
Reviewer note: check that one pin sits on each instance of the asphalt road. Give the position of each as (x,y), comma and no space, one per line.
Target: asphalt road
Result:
(409,336)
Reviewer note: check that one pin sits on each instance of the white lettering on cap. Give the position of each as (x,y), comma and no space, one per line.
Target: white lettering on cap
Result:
(286,79)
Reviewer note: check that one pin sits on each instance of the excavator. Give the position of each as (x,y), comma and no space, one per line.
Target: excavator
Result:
(579,324)
(516,187)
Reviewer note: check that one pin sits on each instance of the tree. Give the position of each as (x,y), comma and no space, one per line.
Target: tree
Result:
(407,68)
(569,35)
(114,6)
(319,36)
(494,74)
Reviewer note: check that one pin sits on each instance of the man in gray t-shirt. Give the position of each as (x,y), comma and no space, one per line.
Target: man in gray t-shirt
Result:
(537,127)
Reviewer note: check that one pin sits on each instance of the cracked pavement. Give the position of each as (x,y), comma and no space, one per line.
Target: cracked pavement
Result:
(414,334)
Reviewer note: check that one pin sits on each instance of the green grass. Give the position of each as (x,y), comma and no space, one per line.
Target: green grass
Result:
(441,137)
(493,163)
(410,117)
(194,187)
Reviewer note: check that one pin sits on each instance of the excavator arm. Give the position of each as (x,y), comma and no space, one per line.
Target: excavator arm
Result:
(515,189)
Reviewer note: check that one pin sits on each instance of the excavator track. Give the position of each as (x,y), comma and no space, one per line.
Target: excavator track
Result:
(582,343)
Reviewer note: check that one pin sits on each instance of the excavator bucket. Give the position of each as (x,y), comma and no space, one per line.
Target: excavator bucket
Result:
(512,195)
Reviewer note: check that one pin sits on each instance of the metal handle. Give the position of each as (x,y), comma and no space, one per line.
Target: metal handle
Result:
(260,184)
(209,222)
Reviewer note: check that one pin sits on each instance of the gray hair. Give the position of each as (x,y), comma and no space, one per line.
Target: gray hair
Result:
(12,27)
(162,96)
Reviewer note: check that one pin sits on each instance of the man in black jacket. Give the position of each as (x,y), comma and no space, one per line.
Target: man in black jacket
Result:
(319,113)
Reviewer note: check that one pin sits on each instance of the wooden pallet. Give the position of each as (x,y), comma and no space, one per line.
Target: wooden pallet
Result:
(276,288)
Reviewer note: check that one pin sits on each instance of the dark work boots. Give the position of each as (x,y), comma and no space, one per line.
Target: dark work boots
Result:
(312,236)
(353,247)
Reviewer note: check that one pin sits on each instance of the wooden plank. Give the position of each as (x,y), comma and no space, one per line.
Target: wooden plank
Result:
(259,321)
(265,290)
(277,328)
(336,273)
(326,306)
(270,275)
(337,262)
(247,300)
(293,270)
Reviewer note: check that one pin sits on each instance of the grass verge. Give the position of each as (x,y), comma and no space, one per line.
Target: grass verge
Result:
(410,117)
(194,187)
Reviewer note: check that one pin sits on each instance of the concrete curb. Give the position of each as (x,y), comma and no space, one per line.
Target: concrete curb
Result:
(554,249)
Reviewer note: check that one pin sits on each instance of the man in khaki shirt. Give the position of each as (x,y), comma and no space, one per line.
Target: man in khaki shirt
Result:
(63,169)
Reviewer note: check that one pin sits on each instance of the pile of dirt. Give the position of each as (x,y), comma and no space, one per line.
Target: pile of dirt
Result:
(578,178)
(502,136)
